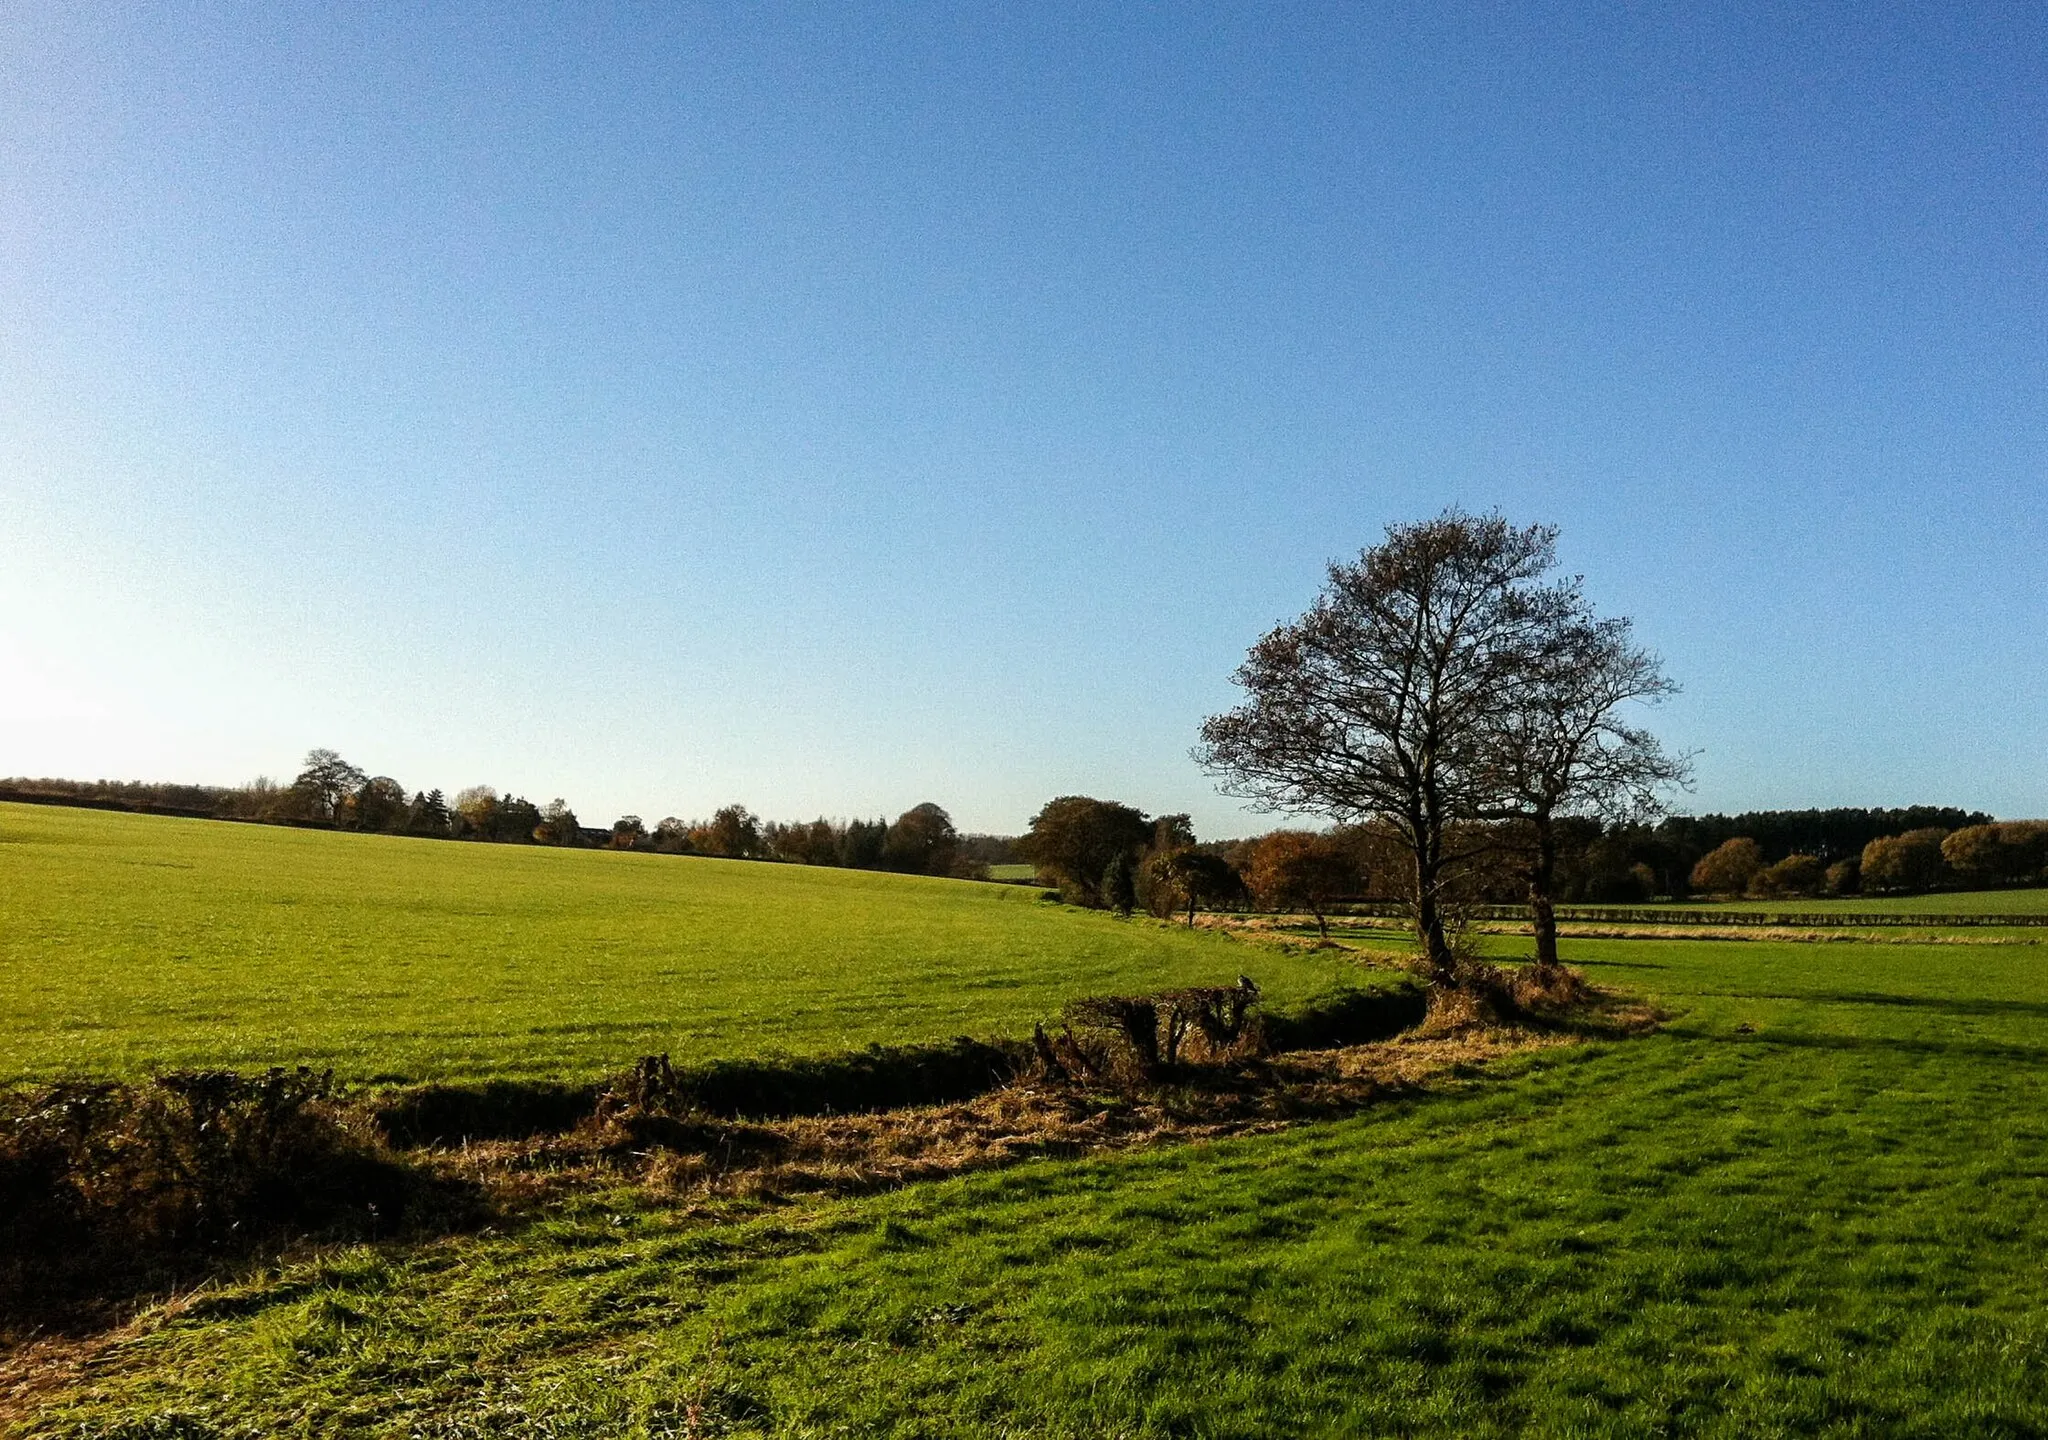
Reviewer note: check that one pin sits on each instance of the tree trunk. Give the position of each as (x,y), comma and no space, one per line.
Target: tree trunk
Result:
(1542,889)
(1429,926)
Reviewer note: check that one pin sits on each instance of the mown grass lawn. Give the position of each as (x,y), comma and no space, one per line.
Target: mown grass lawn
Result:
(1815,1204)
(130,943)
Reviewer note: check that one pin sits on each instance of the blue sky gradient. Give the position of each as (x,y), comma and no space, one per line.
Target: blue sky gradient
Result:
(833,408)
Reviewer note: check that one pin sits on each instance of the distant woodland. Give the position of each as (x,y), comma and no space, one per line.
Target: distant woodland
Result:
(1104,854)
(330,793)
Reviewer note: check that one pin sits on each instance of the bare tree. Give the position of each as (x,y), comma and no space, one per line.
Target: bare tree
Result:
(1563,747)
(1382,700)
(327,782)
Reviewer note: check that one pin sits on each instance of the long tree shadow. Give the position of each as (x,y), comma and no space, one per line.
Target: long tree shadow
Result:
(1941,1004)
(1810,1040)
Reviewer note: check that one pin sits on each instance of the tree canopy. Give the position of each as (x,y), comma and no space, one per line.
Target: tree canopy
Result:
(1075,839)
(1385,700)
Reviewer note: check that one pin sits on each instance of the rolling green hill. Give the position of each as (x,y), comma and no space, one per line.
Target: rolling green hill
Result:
(135,942)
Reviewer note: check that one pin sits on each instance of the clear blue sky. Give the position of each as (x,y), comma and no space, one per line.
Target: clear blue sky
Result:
(832,408)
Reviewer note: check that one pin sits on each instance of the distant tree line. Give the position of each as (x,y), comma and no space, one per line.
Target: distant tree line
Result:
(332,793)
(1982,854)
(1107,855)
(920,841)
(1623,862)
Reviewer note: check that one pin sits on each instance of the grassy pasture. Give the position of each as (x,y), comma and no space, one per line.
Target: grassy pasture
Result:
(136,942)
(1814,1204)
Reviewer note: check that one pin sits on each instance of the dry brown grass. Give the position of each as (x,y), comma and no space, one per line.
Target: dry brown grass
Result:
(715,1161)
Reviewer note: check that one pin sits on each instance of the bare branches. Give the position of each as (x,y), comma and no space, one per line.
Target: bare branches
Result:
(1439,681)
(1380,701)
(1564,746)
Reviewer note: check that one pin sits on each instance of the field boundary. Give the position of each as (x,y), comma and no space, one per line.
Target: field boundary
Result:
(1666,915)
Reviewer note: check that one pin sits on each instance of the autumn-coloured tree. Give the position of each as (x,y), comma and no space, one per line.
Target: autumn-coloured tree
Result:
(1302,870)
(1794,875)
(1998,854)
(476,811)
(733,832)
(815,843)
(558,824)
(629,832)
(1729,867)
(1074,840)
(1911,861)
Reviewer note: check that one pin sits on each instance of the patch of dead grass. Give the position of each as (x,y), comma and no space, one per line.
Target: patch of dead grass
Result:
(1028,1119)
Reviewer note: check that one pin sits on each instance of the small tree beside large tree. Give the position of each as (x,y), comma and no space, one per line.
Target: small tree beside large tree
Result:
(1423,691)
(1561,745)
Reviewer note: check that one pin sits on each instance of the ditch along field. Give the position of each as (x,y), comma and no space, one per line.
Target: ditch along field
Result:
(1814,1201)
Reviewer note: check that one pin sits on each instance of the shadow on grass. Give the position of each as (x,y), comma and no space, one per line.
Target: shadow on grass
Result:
(1938,1004)
(1810,1040)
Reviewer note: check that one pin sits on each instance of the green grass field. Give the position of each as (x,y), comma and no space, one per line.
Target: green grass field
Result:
(136,942)
(1831,1225)
(1815,1203)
